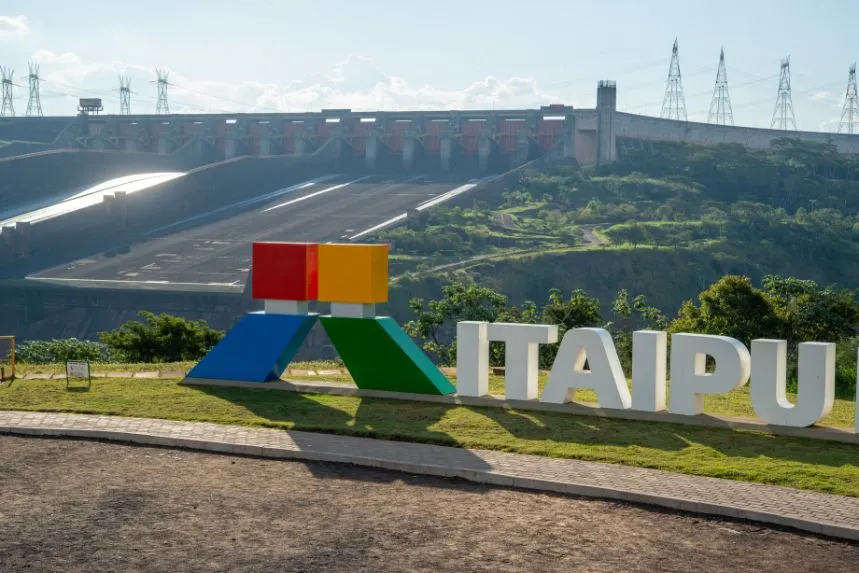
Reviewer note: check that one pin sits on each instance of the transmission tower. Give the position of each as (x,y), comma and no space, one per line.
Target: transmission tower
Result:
(7,109)
(783,116)
(721,112)
(34,104)
(162,107)
(674,104)
(850,113)
(125,95)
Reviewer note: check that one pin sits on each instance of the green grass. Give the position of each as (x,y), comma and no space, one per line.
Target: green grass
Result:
(742,455)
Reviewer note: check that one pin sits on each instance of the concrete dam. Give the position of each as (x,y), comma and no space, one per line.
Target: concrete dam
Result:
(101,216)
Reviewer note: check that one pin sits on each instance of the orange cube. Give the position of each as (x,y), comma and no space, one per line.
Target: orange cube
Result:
(351,273)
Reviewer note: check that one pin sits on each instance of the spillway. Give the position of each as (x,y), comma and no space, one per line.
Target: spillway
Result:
(66,203)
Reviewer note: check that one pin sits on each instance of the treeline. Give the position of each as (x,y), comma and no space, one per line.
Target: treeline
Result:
(784,308)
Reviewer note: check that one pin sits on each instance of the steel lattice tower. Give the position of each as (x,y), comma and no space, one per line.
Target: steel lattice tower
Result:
(125,95)
(162,107)
(783,116)
(7,109)
(721,112)
(34,104)
(674,104)
(850,113)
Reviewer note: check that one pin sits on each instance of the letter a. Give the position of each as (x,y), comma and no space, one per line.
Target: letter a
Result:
(605,377)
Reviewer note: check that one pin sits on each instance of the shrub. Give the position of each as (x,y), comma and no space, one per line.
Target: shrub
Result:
(162,338)
(57,351)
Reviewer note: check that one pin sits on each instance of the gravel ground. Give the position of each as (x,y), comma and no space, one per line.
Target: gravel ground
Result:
(80,506)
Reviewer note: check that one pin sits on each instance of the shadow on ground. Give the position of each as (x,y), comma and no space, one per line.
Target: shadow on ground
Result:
(524,431)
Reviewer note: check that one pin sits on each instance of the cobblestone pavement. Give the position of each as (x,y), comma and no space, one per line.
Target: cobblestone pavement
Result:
(831,515)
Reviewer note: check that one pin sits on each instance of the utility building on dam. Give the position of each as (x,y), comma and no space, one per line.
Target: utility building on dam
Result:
(417,140)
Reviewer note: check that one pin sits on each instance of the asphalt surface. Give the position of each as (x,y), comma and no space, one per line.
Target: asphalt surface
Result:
(215,256)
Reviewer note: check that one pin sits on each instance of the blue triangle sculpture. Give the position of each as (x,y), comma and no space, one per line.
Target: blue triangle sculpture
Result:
(257,349)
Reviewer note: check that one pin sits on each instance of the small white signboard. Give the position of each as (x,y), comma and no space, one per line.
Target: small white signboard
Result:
(78,369)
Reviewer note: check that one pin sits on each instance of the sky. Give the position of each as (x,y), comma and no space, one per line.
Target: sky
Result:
(286,55)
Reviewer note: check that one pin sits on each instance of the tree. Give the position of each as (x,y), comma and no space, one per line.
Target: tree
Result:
(579,310)
(730,307)
(162,338)
(638,314)
(434,321)
(811,312)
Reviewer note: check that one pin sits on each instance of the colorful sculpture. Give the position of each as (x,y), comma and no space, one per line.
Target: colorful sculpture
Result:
(353,278)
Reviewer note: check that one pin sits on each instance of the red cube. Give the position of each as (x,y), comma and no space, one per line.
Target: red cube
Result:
(285,271)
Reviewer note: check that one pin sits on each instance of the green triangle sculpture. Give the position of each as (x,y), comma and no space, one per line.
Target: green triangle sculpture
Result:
(380,356)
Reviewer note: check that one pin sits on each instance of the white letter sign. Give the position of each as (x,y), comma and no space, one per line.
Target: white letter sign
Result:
(649,350)
(472,359)
(605,376)
(521,355)
(816,393)
(689,378)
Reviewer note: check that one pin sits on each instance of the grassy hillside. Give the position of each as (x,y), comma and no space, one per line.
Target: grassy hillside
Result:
(664,221)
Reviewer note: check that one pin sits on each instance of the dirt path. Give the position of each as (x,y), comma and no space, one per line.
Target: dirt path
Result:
(589,237)
(75,506)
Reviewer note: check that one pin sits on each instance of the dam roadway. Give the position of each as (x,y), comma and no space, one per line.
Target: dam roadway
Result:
(211,252)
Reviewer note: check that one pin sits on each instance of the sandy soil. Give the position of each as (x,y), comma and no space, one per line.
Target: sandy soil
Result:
(77,506)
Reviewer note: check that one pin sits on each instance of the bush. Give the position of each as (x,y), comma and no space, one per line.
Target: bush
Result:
(58,351)
(162,338)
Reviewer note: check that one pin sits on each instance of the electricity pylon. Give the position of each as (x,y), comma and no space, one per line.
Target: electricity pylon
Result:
(34,104)
(783,116)
(674,104)
(721,112)
(850,113)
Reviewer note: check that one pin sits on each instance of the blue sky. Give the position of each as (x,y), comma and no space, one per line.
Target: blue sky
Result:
(271,55)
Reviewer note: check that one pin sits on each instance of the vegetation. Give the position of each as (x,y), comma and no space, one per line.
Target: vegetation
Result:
(739,455)
(57,351)
(675,217)
(786,308)
(161,338)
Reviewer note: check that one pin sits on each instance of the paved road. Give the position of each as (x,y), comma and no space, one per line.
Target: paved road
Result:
(216,255)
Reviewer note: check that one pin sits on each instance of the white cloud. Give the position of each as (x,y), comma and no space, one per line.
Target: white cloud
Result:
(49,57)
(821,96)
(14,25)
(356,83)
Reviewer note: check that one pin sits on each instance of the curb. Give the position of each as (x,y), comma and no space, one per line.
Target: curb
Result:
(488,477)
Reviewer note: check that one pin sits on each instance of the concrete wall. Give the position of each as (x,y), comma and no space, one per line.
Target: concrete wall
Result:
(656,129)
(22,148)
(33,129)
(27,178)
